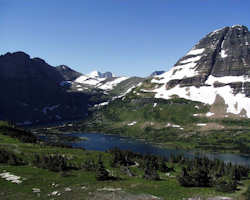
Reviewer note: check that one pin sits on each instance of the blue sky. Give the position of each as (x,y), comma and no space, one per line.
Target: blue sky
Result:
(127,37)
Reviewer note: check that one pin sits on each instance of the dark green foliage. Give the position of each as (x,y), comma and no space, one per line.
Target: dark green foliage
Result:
(122,157)
(225,184)
(10,158)
(52,162)
(150,172)
(247,193)
(101,173)
(22,135)
(202,172)
(89,165)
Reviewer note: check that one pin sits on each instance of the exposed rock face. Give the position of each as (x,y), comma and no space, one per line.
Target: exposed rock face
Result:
(68,73)
(224,52)
(218,65)
(31,92)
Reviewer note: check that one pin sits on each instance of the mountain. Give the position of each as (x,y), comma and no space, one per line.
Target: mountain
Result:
(68,73)
(205,92)
(32,92)
(215,72)
(104,81)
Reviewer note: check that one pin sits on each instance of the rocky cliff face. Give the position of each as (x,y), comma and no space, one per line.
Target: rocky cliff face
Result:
(218,67)
(31,92)
(68,73)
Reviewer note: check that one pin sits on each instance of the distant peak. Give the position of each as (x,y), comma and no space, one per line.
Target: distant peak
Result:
(94,73)
(97,74)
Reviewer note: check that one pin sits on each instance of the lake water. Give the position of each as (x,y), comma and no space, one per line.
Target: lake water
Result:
(102,142)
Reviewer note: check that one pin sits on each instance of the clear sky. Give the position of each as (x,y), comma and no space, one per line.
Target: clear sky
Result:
(127,37)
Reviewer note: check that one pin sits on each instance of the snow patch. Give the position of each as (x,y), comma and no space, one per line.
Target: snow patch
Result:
(201,124)
(10,177)
(207,95)
(196,51)
(193,59)
(227,79)
(155,104)
(132,123)
(111,84)
(209,114)
(223,54)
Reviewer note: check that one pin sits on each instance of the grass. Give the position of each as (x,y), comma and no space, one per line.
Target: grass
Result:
(167,188)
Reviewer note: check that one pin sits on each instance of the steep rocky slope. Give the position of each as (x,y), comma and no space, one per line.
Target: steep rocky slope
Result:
(215,71)
(32,92)
(68,73)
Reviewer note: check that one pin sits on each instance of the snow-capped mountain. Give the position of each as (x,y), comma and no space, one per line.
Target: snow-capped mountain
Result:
(216,71)
(105,81)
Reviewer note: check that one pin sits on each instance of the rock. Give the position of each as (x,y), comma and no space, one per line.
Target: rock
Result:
(36,190)
(67,189)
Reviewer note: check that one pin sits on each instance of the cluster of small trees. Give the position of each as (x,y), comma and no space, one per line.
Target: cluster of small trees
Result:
(54,163)
(10,158)
(202,172)
(22,135)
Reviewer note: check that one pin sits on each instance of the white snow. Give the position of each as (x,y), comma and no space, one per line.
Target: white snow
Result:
(132,123)
(155,104)
(80,89)
(195,51)
(101,104)
(209,114)
(246,43)
(93,79)
(177,72)
(227,79)
(174,126)
(10,177)
(94,74)
(223,53)
(201,124)
(207,95)
(192,59)
(111,84)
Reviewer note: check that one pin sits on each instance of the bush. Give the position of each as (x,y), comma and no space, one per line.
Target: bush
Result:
(10,158)
(225,184)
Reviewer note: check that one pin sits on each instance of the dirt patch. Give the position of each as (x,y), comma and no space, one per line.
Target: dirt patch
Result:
(121,195)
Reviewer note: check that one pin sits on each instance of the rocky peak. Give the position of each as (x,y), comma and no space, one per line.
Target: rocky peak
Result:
(217,67)
(224,52)
(68,73)
(97,74)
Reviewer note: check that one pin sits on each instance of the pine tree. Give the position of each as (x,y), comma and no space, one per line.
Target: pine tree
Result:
(101,173)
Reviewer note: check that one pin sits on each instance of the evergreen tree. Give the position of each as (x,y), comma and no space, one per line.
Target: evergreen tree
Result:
(101,173)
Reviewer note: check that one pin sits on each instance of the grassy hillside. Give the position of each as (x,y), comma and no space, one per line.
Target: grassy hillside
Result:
(80,183)
(178,123)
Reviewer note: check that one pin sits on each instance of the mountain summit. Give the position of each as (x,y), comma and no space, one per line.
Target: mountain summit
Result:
(214,71)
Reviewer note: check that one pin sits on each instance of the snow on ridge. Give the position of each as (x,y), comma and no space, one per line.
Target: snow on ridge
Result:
(193,59)
(207,94)
(111,84)
(223,53)
(196,51)
(226,79)
(177,72)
